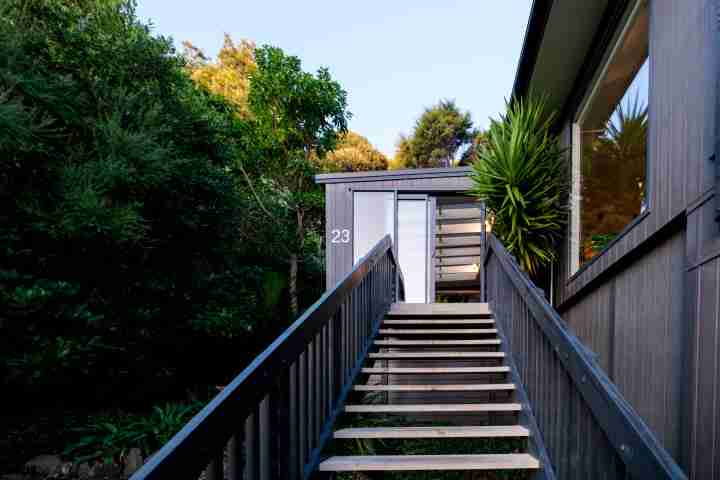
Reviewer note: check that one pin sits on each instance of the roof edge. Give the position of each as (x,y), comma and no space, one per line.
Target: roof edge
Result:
(380,175)
(539,15)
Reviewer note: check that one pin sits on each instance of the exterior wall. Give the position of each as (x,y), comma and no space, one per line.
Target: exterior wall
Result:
(635,324)
(339,213)
(649,305)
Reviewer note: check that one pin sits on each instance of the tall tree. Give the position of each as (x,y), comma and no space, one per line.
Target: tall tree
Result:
(118,221)
(439,133)
(353,153)
(404,157)
(296,115)
(479,141)
(229,75)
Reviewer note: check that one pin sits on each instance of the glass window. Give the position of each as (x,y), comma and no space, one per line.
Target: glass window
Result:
(373,218)
(612,142)
(413,248)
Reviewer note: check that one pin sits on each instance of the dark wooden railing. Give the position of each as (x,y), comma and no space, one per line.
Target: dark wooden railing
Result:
(587,427)
(273,419)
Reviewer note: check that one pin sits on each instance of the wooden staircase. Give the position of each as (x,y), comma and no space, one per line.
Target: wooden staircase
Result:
(440,370)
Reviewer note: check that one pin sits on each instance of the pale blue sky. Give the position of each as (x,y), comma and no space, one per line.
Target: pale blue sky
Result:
(394,57)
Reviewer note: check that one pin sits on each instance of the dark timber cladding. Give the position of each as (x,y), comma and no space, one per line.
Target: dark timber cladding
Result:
(648,304)
(339,188)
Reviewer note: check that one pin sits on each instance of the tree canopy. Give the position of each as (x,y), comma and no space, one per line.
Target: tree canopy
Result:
(229,75)
(151,204)
(353,153)
(437,137)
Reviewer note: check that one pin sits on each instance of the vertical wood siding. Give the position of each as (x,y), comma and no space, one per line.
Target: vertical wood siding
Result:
(654,324)
(703,416)
(636,326)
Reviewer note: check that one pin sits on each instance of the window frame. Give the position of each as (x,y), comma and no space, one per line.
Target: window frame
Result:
(576,268)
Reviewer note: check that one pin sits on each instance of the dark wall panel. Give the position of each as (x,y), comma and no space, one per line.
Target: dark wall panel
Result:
(704,378)
(635,323)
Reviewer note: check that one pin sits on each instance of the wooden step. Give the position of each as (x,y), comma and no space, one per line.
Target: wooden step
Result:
(438,331)
(503,461)
(432,355)
(436,343)
(435,408)
(465,387)
(440,310)
(510,431)
(438,322)
(443,370)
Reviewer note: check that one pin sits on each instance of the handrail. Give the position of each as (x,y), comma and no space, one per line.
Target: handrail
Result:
(537,338)
(275,417)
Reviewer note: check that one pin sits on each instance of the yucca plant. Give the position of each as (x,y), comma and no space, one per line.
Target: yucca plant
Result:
(520,174)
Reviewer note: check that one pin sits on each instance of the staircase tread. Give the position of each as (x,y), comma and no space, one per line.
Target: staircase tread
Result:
(501,461)
(428,355)
(435,432)
(438,322)
(465,387)
(438,342)
(436,331)
(434,407)
(447,370)
(465,310)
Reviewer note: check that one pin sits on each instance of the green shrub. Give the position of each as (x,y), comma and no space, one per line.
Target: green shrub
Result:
(109,437)
(520,174)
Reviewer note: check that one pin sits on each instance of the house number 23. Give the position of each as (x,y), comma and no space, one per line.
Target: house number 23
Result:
(340,236)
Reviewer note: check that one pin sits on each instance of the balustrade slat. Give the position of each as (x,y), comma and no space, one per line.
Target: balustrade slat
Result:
(235,457)
(317,379)
(280,426)
(303,450)
(214,470)
(266,436)
(310,362)
(252,445)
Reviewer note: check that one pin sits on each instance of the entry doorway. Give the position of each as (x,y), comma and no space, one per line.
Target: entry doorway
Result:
(437,241)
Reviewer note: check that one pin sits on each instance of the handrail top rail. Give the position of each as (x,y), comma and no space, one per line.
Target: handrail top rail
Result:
(632,439)
(243,393)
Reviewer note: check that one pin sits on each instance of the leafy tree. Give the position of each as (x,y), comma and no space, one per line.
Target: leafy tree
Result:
(118,221)
(353,153)
(296,115)
(404,157)
(479,141)
(229,76)
(521,176)
(439,133)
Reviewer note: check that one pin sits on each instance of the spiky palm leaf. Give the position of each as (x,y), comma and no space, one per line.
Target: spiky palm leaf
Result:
(520,174)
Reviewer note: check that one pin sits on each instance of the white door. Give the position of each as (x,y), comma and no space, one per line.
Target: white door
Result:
(373,218)
(412,248)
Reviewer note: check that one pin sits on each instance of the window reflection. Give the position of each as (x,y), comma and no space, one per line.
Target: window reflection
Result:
(614,144)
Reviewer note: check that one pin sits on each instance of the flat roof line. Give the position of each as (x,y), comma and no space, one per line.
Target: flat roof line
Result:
(379,175)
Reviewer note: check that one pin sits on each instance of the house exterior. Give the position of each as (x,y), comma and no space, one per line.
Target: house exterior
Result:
(634,84)
(435,226)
